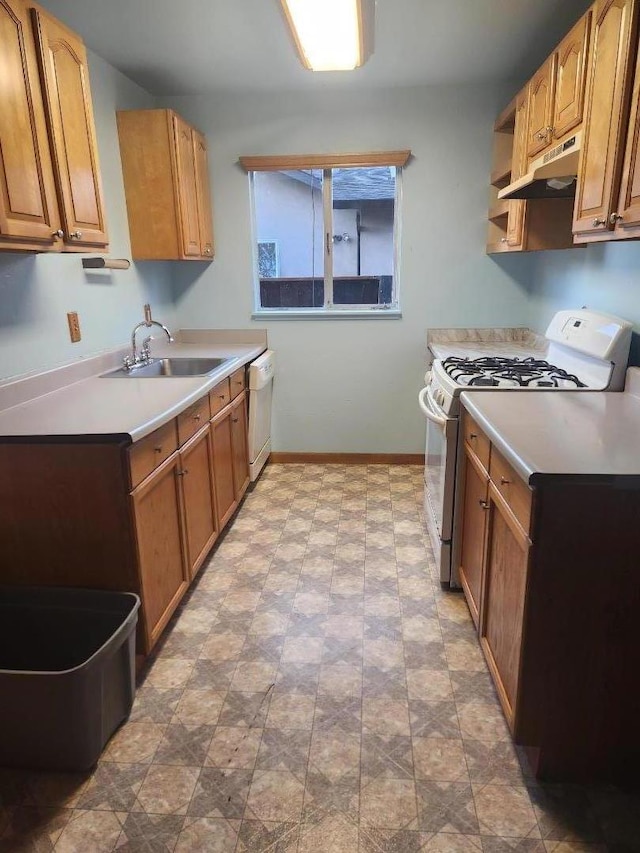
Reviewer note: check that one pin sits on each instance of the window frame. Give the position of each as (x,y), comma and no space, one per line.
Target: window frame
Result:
(327,163)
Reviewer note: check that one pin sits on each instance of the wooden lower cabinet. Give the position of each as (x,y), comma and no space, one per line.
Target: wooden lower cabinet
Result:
(230,457)
(505,580)
(132,517)
(162,557)
(548,573)
(473,533)
(200,521)
(239,446)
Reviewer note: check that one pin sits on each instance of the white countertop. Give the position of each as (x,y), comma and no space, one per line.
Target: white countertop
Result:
(564,434)
(97,406)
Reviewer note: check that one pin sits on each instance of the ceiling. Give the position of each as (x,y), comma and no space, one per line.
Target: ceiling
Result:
(204,46)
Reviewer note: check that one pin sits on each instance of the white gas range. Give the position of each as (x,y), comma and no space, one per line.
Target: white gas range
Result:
(587,351)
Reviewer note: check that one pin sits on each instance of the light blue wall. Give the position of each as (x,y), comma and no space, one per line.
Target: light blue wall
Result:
(36,291)
(604,276)
(344,385)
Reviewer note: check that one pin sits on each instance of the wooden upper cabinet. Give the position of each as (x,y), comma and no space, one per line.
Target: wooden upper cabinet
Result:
(627,214)
(614,43)
(541,108)
(166,182)
(186,187)
(28,207)
(67,97)
(203,193)
(571,76)
(518,208)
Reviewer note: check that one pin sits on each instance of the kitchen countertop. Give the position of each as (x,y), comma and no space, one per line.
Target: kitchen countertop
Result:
(97,406)
(515,342)
(562,434)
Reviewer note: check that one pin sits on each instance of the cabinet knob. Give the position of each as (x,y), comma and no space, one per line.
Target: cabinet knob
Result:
(75,235)
(473,435)
(615,217)
(597,222)
(222,396)
(503,239)
(207,251)
(504,481)
(235,420)
(183,473)
(158,449)
(196,417)
(484,504)
(541,135)
(59,233)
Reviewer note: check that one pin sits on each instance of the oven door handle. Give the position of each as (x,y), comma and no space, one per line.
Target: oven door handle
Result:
(427,404)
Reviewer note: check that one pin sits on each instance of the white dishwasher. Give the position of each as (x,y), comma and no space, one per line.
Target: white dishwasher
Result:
(260,388)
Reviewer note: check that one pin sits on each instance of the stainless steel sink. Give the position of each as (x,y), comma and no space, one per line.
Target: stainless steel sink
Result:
(168,367)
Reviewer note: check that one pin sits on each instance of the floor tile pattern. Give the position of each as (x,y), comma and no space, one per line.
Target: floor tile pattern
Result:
(317,690)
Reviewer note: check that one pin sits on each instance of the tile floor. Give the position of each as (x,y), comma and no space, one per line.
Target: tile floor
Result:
(316,691)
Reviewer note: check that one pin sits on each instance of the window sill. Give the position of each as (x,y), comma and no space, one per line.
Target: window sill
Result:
(312,314)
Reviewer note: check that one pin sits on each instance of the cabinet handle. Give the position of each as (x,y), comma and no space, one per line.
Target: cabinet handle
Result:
(484,504)
(182,473)
(472,436)
(234,420)
(75,235)
(158,449)
(615,217)
(222,396)
(597,222)
(196,417)
(504,481)
(59,233)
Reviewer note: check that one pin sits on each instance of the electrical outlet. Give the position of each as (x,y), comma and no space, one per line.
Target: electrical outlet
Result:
(74,326)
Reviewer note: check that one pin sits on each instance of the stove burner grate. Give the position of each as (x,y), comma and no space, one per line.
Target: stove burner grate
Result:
(493,371)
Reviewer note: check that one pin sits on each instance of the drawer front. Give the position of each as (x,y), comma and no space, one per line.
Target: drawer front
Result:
(193,419)
(238,382)
(512,488)
(477,440)
(219,397)
(145,455)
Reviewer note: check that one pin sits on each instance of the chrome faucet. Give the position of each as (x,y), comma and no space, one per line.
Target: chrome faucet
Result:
(144,357)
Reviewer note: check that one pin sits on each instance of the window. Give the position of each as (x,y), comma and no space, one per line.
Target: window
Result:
(326,237)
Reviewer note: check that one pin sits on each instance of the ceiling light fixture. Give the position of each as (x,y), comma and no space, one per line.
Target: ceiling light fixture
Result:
(331,35)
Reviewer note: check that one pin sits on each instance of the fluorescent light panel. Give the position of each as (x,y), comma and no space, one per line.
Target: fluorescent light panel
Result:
(329,34)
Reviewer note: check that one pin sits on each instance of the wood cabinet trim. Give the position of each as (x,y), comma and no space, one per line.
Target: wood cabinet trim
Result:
(275,163)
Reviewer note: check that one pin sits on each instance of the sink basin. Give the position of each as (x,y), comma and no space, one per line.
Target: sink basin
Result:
(168,367)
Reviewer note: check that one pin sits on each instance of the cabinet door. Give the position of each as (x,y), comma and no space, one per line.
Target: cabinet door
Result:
(627,214)
(517,208)
(571,77)
(161,552)
(605,123)
(186,187)
(473,529)
(196,473)
(239,445)
(28,205)
(223,478)
(541,108)
(71,128)
(203,194)
(502,613)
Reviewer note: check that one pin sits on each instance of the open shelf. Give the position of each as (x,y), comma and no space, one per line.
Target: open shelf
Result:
(498,209)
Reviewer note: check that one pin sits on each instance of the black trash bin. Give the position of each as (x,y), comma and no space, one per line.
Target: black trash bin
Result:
(67,673)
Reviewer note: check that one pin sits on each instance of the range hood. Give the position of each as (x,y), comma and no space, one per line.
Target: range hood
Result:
(553,175)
